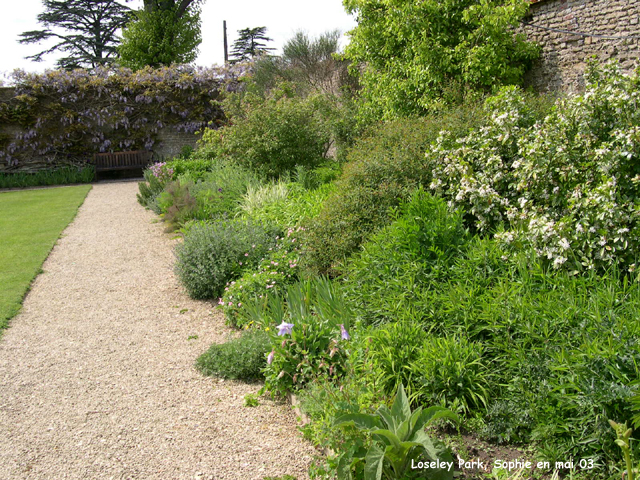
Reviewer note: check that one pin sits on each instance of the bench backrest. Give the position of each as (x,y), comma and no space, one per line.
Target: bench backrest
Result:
(106,161)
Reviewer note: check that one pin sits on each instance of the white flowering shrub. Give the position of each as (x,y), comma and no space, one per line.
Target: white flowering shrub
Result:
(566,185)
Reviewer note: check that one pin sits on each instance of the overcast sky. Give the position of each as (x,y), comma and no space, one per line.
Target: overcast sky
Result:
(281,17)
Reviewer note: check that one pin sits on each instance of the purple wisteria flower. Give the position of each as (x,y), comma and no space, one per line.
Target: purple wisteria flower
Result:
(343,332)
(270,357)
(284,328)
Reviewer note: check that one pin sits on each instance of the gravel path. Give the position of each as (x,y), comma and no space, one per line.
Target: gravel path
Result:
(96,372)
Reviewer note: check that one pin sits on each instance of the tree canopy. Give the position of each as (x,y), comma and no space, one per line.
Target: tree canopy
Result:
(163,33)
(180,7)
(415,54)
(251,43)
(84,29)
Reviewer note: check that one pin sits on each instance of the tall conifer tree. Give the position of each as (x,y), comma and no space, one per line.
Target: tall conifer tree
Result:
(84,29)
(251,43)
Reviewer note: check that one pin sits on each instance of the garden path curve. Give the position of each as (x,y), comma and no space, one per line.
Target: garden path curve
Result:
(96,372)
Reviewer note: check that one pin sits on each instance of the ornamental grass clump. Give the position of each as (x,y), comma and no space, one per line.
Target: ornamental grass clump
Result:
(215,253)
(284,204)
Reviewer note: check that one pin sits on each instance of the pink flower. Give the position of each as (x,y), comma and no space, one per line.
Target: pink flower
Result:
(270,357)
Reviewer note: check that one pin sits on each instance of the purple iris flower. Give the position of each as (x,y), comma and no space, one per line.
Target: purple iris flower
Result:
(344,333)
(284,328)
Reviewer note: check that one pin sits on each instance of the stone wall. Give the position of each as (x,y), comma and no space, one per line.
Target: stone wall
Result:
(169,143)
(564,55)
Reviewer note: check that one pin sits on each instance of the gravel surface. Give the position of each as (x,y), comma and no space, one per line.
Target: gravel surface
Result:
(96,372)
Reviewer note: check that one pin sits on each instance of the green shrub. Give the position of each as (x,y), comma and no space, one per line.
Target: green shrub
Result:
(60,176)
(384,280)
(241,358)
(274,134)
(382,170)
(564,346)
(550,355)
(196,166)
(213,254)
(218,193)
(566,185)
(201,195)
(279,268)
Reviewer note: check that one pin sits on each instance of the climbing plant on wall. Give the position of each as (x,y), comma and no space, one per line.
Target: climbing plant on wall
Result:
(65,116)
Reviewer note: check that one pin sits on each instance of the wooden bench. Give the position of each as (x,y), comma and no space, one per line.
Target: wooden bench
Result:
(104,162)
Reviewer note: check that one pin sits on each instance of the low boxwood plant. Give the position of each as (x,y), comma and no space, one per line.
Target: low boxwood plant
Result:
(241,358)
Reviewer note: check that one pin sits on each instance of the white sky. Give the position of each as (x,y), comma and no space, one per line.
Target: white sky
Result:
(281,17)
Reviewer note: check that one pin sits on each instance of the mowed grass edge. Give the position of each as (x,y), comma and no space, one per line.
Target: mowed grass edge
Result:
(31,222)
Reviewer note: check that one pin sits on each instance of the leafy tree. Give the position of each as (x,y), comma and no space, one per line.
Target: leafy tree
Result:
(85,30)
(250,44)
(418,55)
(163,33)
(180,7)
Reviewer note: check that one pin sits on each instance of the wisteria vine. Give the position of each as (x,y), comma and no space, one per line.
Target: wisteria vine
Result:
(65,116)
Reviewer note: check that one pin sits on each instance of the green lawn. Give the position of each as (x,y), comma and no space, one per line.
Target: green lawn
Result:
(30,224)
